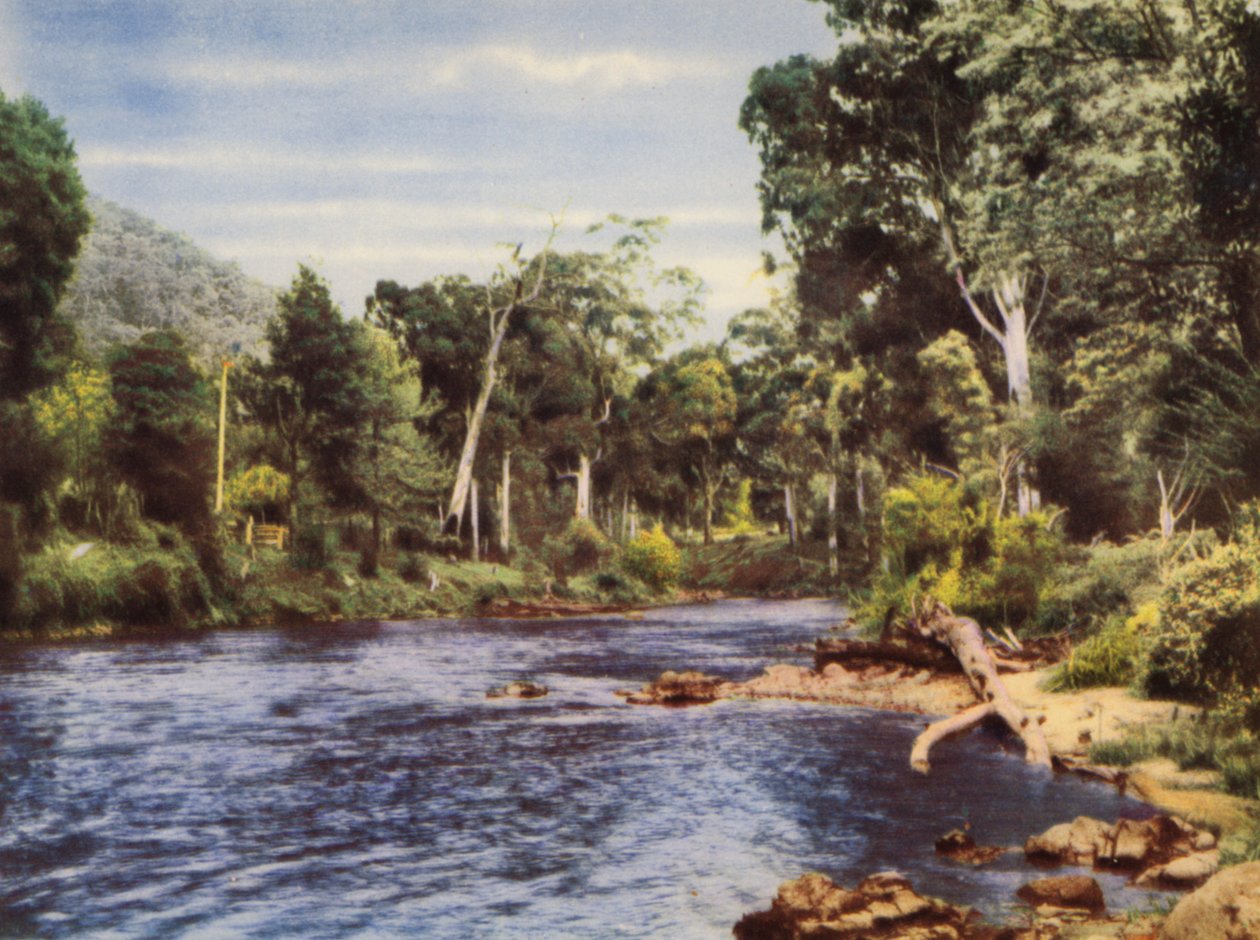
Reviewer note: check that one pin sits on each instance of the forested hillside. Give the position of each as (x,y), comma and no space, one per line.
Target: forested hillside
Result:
(132,276)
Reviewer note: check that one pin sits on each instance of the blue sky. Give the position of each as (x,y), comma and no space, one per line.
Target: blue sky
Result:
(389,139)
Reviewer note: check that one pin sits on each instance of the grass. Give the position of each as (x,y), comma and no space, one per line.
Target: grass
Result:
(1205,744)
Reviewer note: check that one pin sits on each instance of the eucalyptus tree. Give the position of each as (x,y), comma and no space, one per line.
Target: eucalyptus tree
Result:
(695,412)
(614,312)
(864,161)
(449,304)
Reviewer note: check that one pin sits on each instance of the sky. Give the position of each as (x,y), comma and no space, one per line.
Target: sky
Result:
(385,139)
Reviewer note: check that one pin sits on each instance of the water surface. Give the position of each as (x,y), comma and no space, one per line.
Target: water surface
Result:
(353,780)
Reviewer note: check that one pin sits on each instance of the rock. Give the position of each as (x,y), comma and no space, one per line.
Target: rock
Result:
(1183,873)
(679,688)
(1076,843)
(883,906)
(1077,892)
(960,847)
(1226,908)
(519,689)
(1129,845)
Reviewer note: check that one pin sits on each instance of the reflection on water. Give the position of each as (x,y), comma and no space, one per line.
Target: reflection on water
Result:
(353,780)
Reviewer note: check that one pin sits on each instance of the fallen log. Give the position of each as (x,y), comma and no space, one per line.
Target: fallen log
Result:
(915,652)
(964,639)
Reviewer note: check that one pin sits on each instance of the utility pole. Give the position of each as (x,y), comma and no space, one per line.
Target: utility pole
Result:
(218,489)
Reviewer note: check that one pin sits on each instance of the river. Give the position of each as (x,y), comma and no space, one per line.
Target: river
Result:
(353,780)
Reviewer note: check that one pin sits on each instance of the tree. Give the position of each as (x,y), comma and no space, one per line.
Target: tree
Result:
(311,393)
(74,413)
(42,220)
(696,410)
(161,441)
(409,316)
(396,465)
(864,160)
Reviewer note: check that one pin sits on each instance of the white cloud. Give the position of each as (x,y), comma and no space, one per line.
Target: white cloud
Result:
(600,71)
(422,69)
(220,158)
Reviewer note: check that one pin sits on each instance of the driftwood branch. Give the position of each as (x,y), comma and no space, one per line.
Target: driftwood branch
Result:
(963,638)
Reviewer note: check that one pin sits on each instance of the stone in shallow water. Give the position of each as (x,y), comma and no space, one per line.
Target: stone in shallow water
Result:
(519,690)
(882,906)
(1077,892)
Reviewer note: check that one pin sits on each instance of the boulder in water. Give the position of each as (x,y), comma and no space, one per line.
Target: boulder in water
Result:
(1075,892)
(519,689)
(679,688)
(960,847)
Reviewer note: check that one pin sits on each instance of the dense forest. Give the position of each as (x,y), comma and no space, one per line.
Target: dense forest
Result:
(1016,367)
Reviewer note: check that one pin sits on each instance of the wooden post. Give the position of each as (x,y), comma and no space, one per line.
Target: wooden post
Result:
(218,488)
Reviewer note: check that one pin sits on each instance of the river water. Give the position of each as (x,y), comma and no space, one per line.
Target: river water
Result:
(353,780)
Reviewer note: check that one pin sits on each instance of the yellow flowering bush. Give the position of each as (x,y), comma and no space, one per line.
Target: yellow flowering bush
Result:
(653,558)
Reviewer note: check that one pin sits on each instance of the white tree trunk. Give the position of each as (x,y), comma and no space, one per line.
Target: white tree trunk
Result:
(499,319)
(505,507)
(475,520)
(789,509)
(634,519)
(582,507)
(833,538)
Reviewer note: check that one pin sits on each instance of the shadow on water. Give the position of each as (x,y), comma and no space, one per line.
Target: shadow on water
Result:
(353,778)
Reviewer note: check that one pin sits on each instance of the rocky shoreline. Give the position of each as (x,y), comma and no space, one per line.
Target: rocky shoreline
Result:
(1165,852)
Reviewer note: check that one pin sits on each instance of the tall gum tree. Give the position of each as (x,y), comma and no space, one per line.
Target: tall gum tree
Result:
(616,312)
(876,145)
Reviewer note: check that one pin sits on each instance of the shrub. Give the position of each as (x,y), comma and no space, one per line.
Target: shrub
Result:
(653,558)
(310,548)
(412,569)
(940,539)
(581,547)
(1109,657)
(1207,642)
(1100,582)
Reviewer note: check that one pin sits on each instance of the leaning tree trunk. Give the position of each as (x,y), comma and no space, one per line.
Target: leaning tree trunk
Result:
(963,638)
(499,319)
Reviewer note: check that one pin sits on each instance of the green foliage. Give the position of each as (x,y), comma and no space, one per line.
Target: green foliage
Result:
(256,490)
(162,442)
(158,583)
(653,558)
(940,540)
(1209,742)
(1112,656)
(1207,643)
(1101,582)
(310,547)
(42,220)
(580,548)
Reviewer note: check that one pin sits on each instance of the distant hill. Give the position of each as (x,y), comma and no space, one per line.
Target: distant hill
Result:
(132,276)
